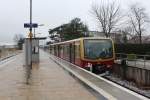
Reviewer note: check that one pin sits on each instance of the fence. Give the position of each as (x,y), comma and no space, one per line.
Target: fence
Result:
(133,67)
(141,61)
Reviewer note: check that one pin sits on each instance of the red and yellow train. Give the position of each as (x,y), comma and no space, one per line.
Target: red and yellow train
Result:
(91,52)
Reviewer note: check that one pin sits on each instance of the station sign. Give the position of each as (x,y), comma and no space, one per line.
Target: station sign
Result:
(28,25)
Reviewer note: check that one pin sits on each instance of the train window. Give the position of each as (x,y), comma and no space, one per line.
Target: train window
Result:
(96,49)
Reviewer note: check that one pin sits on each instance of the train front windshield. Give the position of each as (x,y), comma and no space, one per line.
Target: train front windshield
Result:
(98,49)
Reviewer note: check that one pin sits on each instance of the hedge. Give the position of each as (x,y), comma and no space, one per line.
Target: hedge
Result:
(133,48)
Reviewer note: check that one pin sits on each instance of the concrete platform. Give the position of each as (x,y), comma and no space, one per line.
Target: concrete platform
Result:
(46,81)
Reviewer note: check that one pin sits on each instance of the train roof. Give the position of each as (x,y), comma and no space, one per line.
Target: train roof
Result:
(80,39)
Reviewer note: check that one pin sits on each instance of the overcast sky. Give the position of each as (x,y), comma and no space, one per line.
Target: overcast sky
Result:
(51,13)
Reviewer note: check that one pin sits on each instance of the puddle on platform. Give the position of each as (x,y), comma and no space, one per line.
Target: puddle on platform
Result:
(28,72)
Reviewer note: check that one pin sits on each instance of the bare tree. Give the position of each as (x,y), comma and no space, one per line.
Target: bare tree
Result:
(19,39)
(107,15)
(127,31)
(138,19)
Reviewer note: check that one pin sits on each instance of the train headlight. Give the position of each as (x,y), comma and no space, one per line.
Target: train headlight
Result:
(89,65)
(108,66)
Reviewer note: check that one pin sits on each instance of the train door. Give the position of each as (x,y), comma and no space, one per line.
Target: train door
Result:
(77,53)
(70,55)
(72,52)
(55,50)
(67,52)
(61,51)
(58,50)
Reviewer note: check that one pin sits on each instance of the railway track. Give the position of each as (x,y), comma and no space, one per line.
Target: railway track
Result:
(126,84)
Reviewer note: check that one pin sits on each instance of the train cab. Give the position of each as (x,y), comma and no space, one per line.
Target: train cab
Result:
(92,53)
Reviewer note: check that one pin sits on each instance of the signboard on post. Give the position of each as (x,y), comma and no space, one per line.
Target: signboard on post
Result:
(28,25)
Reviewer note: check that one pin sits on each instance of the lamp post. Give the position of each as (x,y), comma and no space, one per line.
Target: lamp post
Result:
(30,34)
(30,18)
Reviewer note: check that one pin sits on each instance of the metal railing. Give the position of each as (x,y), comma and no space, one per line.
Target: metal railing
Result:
(135,60)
